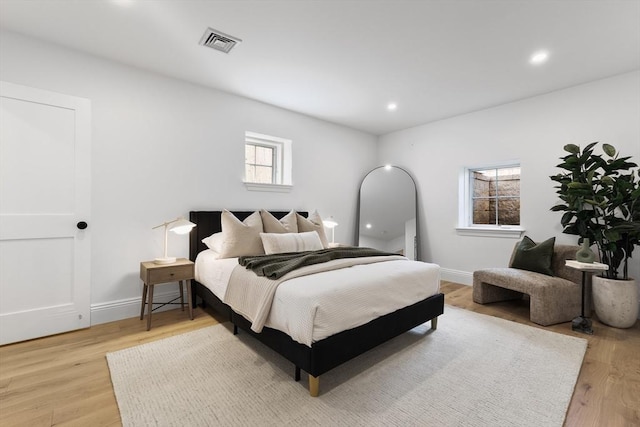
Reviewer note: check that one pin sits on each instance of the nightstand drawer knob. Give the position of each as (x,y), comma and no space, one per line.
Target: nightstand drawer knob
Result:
(82,225)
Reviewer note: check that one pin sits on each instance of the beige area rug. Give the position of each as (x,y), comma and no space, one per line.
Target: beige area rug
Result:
(474,370)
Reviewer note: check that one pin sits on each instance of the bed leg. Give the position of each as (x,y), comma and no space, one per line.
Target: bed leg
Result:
(434,323)
(297,374)
(314,386)
(235,329)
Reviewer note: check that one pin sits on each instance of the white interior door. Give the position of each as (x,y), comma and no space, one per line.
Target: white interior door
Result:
(44,194)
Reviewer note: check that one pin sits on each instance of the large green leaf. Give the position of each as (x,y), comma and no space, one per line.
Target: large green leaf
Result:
(612,235)
(566,218)
(589,148)
(572,148)
(579,186)
(557,208)
(593,202)
(609,150)
(607,180)
(571,162)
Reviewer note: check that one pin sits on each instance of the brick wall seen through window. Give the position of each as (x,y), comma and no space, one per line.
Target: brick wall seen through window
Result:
(495,196)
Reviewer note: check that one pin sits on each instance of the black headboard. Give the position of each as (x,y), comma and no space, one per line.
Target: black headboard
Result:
(209,222)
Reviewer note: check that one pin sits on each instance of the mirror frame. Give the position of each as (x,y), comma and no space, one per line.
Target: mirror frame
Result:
(416,243)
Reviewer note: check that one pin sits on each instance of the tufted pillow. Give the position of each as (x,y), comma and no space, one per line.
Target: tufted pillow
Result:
(532,256)
(271,224)
(275,243)
(241,237)
(313,223)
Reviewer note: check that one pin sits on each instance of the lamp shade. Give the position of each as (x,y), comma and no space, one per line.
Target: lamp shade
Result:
(181,226)
(331,224)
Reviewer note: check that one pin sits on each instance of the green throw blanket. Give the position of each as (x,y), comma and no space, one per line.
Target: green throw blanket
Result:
(277,265)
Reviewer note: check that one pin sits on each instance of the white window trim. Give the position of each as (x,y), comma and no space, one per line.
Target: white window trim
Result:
(282,168)
(465,226)
(512,232)
(273,188)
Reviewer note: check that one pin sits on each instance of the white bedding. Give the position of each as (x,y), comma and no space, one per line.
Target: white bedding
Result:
(314,307)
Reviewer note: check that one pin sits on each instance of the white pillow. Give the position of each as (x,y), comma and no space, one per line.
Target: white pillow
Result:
(241,238)
(275,243)
(313,223)
(214,242)
(271,224)
(213,254)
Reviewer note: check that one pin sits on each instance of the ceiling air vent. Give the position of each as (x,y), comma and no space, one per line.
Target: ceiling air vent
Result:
(218,40)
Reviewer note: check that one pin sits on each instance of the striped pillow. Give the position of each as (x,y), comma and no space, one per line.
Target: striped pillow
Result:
(275,243)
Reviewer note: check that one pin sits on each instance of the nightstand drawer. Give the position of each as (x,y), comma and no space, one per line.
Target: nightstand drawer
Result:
(170,274)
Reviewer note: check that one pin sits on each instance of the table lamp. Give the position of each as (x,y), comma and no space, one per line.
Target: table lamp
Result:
(331,224)
(178,226)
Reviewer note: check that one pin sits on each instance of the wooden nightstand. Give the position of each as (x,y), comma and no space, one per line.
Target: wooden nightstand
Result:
(154,274)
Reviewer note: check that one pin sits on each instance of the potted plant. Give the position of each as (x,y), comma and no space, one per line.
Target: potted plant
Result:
(601,202)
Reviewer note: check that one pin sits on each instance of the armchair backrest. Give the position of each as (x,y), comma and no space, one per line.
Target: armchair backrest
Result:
(561,253)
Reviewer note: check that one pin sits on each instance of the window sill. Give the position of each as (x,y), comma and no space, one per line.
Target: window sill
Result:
(274,188)
(504,232)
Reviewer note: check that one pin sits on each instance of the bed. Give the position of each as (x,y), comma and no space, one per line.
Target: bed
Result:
(326,353)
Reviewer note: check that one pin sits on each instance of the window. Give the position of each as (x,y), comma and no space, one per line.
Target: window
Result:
(490,201)
(495,196)
(259,163)
(267,162)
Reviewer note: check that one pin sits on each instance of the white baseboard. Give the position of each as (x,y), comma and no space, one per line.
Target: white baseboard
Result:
(456,276)
(111,311)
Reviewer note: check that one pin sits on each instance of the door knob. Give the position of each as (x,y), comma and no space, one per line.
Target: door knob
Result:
(81,225)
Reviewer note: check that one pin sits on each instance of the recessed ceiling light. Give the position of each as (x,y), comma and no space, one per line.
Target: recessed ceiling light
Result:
(392,106)
(387,167)
(368,226)
(539,57)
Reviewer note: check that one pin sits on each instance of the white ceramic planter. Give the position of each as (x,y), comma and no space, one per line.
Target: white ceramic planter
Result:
(616,301)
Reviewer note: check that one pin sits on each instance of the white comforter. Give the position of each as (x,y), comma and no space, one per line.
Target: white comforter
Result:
(314,307)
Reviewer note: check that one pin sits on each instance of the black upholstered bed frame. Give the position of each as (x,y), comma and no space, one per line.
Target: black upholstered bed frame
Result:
(329,352)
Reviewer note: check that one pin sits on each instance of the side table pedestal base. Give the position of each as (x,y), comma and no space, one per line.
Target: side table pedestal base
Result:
(582,324)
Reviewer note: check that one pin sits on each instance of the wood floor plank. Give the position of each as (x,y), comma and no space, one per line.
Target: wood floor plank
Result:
(64,379)
(98,409)
(40,417)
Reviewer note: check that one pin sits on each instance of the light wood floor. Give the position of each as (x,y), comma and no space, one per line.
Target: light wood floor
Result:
(64,379)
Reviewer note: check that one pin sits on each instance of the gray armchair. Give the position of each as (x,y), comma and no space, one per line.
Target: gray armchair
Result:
(553,300)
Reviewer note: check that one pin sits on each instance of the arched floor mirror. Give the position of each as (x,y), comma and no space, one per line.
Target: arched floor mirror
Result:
(388,212)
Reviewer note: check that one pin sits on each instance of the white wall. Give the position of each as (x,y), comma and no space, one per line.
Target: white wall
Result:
(533,131)
(372,242)
(396,245)
(162,147)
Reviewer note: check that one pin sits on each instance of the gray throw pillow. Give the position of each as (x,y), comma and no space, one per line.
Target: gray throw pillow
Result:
(534,257)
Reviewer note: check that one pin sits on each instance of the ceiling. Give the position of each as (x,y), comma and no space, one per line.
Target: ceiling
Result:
(344,61)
